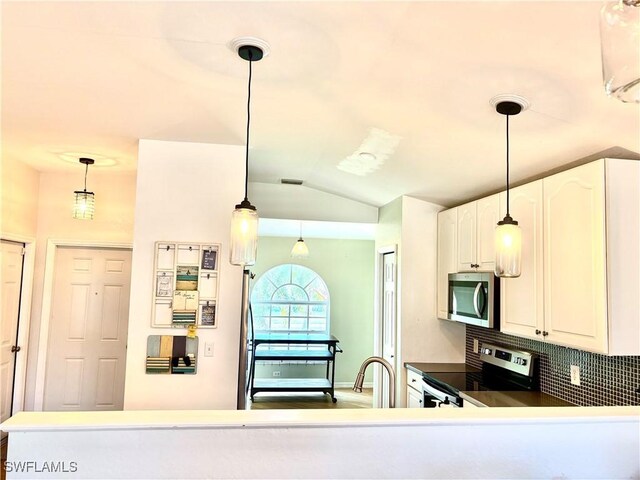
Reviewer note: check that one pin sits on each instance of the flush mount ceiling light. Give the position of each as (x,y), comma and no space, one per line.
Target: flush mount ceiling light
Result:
(244,219)
(300,249)
(85,202)
(508,237)
(620,43)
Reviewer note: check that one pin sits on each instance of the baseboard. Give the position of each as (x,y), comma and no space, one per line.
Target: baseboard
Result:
(350,384)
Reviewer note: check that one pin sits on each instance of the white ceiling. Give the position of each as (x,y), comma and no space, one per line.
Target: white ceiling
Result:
(90,78)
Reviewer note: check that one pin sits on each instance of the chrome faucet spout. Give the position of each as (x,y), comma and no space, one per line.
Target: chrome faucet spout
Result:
(357,386)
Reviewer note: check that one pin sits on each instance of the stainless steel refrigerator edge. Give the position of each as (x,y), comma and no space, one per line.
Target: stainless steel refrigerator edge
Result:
(243,349)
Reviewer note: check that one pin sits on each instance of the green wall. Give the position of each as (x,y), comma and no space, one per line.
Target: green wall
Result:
(347,267)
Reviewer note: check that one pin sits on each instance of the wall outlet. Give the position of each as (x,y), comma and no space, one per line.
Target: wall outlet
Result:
(276,373)
(208,349)
(575,375)
(476,345)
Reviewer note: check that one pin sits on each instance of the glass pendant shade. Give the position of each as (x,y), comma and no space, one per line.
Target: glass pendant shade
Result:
(508,238)
(620,42)
(244,235)
(84,206)
(300,249)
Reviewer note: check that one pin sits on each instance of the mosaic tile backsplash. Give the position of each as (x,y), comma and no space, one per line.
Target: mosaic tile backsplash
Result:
(603,380)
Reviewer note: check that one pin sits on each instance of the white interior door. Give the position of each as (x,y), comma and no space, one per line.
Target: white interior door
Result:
(11,255)
(388,320)
(88,330)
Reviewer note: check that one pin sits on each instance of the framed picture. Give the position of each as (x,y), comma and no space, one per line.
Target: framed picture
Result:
(187,277)
(209,259)
(208,315)
(164,284)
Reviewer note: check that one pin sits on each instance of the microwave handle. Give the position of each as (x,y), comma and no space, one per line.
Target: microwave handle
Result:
(476,296)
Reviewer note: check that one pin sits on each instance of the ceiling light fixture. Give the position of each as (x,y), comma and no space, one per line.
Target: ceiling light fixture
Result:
(84,205)
(620,43)
(244,220)
(300,249)
(508,236)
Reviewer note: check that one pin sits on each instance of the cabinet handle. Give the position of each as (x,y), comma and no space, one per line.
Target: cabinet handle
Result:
(538,332)
(544,334)
(15,349)
(413,380)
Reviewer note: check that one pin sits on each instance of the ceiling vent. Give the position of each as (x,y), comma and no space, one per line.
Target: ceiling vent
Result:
(290,181)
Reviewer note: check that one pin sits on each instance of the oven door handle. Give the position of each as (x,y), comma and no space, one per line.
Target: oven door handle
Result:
(476,297)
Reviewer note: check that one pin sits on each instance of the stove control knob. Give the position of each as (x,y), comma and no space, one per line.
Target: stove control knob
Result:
(523,362)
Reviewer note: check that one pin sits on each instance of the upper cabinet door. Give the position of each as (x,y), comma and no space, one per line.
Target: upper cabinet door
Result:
(574,243)
(488,216)
(522,298)
(466,236)
(447,256)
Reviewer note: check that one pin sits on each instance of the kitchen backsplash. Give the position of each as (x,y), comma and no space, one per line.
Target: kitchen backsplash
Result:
(603,380)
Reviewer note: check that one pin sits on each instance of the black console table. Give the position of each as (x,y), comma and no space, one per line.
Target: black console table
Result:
(324,385)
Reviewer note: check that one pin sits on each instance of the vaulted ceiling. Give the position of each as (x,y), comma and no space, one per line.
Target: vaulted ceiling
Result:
(90,78)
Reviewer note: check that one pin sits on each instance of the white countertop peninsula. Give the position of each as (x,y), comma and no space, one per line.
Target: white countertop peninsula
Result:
(586,442)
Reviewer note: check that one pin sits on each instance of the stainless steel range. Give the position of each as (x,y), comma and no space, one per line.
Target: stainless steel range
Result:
(503,369)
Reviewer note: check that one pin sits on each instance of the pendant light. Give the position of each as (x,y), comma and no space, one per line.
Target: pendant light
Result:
(85,202)
(620,43)
(300,249)
(244,220)
(508,237)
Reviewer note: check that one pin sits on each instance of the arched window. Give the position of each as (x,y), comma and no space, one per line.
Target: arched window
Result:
(290,298)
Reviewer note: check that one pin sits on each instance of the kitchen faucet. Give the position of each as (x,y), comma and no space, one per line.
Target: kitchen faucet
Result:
(357,386)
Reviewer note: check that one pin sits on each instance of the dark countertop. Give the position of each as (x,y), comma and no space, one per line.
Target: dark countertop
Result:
(489,398)
(513,399)
(440,367)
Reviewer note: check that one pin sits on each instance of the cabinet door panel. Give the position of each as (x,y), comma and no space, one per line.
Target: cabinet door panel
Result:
(447,256)
(522,298)
(466,236)
(414,398)
(488,216)
(575,283)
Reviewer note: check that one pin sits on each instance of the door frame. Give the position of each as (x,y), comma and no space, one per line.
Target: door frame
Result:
(378,325)
(24,319)
(47,301)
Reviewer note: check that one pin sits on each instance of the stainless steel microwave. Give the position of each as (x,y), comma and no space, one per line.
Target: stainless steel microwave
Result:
(474,298)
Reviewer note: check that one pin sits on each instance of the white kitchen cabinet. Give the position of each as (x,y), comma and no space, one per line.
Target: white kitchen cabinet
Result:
(522,298)
(466,236)
(447,256)
(488,215)
(475,237)
(592,257)
(414,398)
(414,389)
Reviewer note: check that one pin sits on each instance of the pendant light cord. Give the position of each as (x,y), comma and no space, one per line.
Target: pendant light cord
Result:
(86,171)
(507,165)
(246,169)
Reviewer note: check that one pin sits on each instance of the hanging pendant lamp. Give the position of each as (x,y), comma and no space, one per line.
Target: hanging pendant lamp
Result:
(620,44)
(300,249)
(85,202)
(508,236)
(244,219)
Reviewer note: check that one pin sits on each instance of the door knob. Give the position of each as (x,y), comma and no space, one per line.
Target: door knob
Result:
(15,349)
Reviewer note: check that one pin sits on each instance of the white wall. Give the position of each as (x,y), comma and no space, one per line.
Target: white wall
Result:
(412,225)
(425,338)
(185,192)
(300,202)
(19,199)
(489,443)
(113,222)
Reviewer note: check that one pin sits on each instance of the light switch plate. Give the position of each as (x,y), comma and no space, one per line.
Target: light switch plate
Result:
(208,349)
(476,345)
(575,375)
